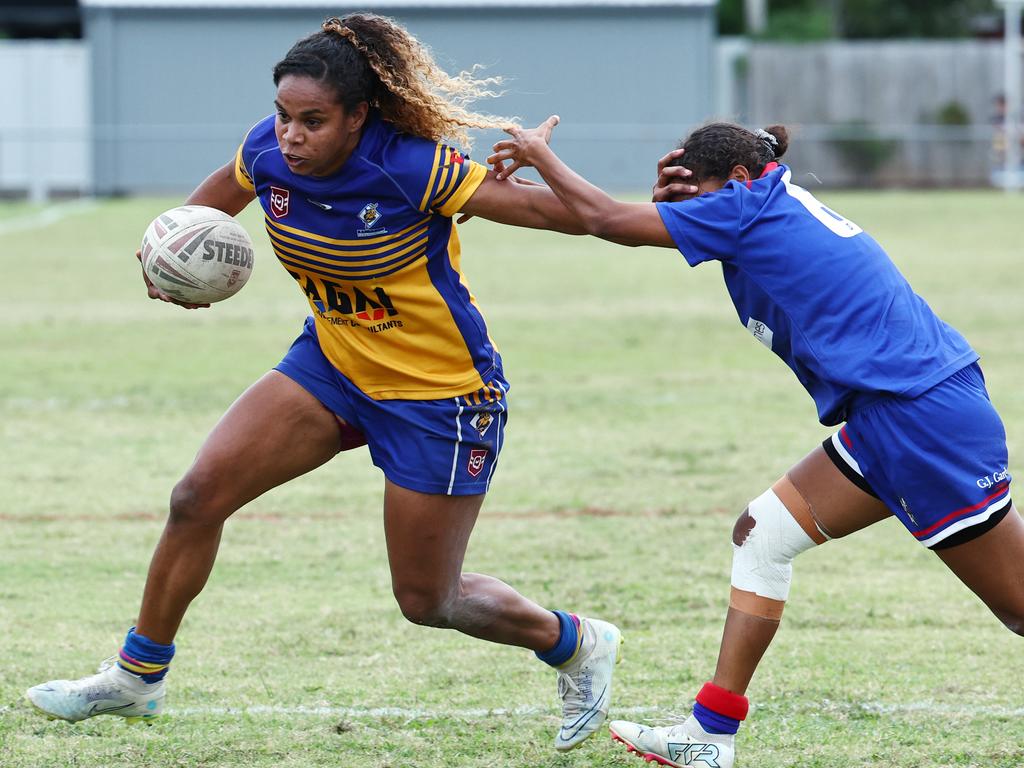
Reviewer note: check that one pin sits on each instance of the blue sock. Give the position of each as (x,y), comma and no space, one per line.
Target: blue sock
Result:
(568,641)
(144,657)
(713,722)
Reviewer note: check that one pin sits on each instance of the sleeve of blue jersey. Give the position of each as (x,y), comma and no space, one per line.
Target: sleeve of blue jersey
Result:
(704,228)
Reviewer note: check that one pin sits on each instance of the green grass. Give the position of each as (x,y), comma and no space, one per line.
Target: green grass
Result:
(643,419)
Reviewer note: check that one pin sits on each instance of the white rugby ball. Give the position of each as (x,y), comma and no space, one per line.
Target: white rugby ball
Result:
(197,254)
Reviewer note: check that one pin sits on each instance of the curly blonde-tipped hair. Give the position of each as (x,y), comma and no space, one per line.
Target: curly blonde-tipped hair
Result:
(366,57)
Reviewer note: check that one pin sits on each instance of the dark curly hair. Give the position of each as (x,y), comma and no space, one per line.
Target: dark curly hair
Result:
(365,57)
(713,150)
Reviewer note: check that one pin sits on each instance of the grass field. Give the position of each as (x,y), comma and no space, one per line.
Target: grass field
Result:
(643,419)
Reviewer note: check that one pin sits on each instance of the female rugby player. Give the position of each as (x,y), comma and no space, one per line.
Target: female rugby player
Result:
(921,440)
(358,191)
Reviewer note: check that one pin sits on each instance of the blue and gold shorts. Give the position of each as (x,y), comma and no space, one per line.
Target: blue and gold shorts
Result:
(448,446)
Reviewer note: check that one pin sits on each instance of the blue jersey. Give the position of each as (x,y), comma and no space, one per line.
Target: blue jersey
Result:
(374,249)
(819,292)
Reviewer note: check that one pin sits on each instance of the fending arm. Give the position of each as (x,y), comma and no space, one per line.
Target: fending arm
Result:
(596,211)
(523,205)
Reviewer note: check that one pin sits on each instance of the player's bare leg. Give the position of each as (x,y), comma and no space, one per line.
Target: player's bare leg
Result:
(992,566)
(812,503)
(426,537)
(839,508)
(274,432)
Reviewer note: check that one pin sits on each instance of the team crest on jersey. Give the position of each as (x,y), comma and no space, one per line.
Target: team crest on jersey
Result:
(279,201)
(370,215)
(481,422)
(477,457)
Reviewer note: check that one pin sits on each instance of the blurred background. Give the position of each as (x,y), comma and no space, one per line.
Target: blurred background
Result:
(115,97)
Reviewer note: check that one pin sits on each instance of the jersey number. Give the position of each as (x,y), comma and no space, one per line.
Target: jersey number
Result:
(828,217)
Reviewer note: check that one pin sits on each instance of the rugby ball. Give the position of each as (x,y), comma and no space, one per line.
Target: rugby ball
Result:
(197,254)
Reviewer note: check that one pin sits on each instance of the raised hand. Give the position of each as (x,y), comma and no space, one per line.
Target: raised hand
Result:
(674,182)
(523,148)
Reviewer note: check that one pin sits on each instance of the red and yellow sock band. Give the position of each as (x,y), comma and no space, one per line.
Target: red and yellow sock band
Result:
(140,667)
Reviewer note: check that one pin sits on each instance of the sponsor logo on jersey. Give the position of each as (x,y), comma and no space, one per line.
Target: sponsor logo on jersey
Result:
(994,479)
(331,299)
(279,200)
(477,457)
(761,331)
(481,422)
(318,204)
(456,158)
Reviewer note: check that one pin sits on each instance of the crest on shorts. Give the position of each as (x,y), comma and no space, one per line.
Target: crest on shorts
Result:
(477,457)
(481,422)
(279,201)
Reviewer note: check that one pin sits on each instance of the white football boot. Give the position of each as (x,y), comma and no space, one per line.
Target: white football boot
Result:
(112,691)
(685,745)
(585,682)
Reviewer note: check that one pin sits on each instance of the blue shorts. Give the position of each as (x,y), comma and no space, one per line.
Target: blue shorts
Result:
(447,446)
(938,461)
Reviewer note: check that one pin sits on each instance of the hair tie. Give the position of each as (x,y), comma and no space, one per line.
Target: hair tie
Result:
(770,141)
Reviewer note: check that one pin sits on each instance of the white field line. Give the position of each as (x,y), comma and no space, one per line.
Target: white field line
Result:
(918,707)
(49,215)
(380,712)
(648,713)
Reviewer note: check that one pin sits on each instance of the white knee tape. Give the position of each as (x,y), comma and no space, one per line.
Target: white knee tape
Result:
(763,562)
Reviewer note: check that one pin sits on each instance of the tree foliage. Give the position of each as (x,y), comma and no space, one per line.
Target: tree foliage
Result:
(858,19)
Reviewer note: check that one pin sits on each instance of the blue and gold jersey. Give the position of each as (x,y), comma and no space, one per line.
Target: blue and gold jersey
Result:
(374,249)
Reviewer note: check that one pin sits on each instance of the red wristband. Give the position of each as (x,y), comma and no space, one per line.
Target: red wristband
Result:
(724,702)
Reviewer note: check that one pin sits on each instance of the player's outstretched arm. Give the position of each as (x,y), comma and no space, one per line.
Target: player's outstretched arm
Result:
(599,213)
(521,204)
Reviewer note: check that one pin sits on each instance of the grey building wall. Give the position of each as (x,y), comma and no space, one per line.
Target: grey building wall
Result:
(44,124)
(175,89)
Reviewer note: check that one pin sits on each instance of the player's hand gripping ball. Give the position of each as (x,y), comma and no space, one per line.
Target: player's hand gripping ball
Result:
(196,254)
